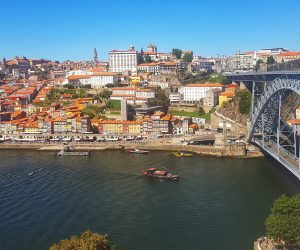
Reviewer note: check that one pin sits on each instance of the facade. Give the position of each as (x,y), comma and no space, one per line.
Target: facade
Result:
(195,92)
(243,62)
(96,80)
(132,95)
(148,68)
(287,56)
(211,99)
(175,98)
(120,61)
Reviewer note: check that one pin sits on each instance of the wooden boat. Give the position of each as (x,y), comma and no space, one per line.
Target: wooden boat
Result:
(163,175)
(182,154)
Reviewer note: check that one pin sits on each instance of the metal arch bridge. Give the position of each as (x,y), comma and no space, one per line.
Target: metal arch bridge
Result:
(274,97)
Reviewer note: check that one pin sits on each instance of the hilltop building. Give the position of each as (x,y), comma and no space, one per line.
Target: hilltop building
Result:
(123,60)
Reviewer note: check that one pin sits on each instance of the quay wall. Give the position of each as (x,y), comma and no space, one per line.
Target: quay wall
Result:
(218,151)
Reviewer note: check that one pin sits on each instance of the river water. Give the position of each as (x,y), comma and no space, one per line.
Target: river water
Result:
(217,204)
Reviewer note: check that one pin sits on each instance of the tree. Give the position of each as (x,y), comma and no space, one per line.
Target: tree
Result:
(283,223)
(270,60)
(92,111)
(201,111)
(105,94)
(69,86)
(148,59)
(188,57)
(218,78)
(159,100)
(87,240)
(177,53)
(244,101)
(258,63)
(141,56)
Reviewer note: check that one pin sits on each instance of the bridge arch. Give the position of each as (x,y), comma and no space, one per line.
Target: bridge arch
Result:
(268,103)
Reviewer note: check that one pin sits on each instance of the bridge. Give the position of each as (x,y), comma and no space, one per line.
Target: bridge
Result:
(275,97)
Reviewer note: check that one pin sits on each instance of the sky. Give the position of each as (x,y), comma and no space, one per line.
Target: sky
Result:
(71,29)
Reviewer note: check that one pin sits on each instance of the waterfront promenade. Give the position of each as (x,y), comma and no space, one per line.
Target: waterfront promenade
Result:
(228,150)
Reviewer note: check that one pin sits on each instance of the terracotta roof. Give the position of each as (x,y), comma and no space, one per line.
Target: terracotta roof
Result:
(228,94)
(294,121)
(296,53)
(77,77)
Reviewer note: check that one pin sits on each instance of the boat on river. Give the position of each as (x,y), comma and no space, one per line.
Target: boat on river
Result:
(137,151)
(66,151)
(182,154)
(159,174)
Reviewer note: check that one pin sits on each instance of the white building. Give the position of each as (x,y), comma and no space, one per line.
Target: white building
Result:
(148,68)
(195,92)
(132,95)
(175,97)
(126,60)
(96,80)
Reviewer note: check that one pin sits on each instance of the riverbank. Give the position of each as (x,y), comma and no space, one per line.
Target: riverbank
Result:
(230,150)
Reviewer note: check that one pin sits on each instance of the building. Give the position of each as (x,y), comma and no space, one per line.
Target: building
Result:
(5,116)
(161,124)
(211,99)
(243,62)
(225,97)
(132,95)
(287,56)
(126,60)
(195,92)
(148,68)
(95,80)
(175,98)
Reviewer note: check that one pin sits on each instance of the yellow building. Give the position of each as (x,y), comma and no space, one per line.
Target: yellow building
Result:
(31,127)
(112,127)
(225,97)
(132,127)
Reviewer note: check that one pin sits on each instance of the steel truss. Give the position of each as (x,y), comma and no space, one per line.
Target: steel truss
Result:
(268,127)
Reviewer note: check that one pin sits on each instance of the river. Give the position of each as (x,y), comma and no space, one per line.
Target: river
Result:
(218,203)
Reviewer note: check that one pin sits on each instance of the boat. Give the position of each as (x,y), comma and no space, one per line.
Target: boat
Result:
(66,151)
(163,175)
(182,154)
(137,151)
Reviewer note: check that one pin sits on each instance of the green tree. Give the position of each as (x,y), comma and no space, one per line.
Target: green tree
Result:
(244,101)
(113,104)
(86,241)
(148,59)
(283,223)
(69,86)
(258,63)
(270,60)
(201,111)
(218,78)
(159,100)
(187,57)
(92,111)
(105,94)
(177,53)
